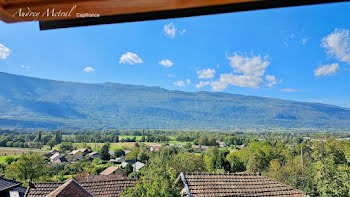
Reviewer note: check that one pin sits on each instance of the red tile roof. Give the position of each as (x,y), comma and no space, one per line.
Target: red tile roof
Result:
(235,184)
(108,171)
(95,178)
(106,188)
(72,189)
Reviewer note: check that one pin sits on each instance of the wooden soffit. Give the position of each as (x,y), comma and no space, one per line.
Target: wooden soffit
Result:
(69,13)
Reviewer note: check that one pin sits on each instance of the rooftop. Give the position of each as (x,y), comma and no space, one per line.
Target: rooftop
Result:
(109,170)
(72,189)
(235,184)
(105,188)
(6,184)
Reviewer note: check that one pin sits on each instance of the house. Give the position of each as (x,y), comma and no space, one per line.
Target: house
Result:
(85,150)
(112,171)
(73,188)
(155,148)
(93,155)
(86,177)
(49,154)
(75,155)
(111,152)
(137,166)
(10,188)
(179,146)
(233,184)
(201,148)
(221,144)
(120,159)
(126,162)
(60,160)
(240,147)
(306,138)
(55,157)
(127,152)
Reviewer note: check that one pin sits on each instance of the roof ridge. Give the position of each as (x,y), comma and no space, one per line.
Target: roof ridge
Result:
(120,179)
(222,173)
(65,186)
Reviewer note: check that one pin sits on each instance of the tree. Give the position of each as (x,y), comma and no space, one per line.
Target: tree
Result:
(119,153)
(66,146)
(254,164)
(46,138)
(38,136)
(188,162)
(51,143)
(143,136)
(116,139)
(133,154)
(236,164)
(104,155)
(58,136)
(215,160)
(142,156)
(161,185)
(188,145)
(2,169)
(128,168)
(29,167)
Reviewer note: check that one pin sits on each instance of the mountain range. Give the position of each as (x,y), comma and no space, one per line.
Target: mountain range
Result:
(31,103)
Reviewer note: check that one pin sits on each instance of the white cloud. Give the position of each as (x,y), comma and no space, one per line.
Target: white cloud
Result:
(25,67)
(219,85)
(247,72)
(170,30)
(4,52)
(89,69)
(130,58)
(166,63)
(202,84)
(304,41)
(188,81)
(179,83)
(327,69)
(338,44)
(182,31)
(251,66)
(206,73)
(289,90)
(271,80)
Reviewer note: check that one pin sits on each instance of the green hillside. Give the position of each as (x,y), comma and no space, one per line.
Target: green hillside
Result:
(27,102)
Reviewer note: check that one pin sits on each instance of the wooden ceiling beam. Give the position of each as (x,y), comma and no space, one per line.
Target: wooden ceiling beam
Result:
(63,13)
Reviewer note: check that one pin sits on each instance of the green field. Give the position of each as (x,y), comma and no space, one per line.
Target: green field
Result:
(114,146)
(7,152)
(177,142)
(4,158)
(11,151)
(129,136)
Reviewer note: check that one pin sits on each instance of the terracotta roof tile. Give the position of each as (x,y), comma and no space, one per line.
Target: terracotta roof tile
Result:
(237,184)
(109,170)
(96,178)
(70,189)
(107,188)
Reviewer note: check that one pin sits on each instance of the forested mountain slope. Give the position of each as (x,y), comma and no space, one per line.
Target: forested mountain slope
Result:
(27,102)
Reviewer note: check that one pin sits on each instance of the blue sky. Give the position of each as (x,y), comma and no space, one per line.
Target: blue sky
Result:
(299,53)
